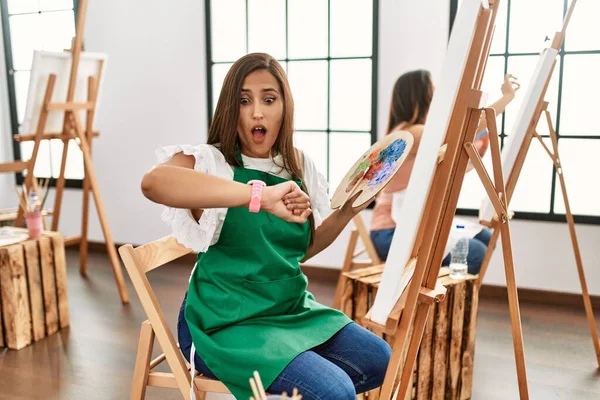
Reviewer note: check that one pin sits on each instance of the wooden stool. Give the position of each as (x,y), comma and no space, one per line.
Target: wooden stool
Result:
(33,290)
(444,367)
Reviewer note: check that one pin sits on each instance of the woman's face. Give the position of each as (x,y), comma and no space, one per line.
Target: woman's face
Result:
(261,114)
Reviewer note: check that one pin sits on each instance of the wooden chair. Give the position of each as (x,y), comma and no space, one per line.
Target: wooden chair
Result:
(351,262)
(139,262)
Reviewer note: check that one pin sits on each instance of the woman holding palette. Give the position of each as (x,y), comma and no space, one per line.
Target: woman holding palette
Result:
(411,99)
(254,207)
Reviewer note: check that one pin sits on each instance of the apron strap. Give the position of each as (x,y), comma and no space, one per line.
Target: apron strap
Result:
(238,154)
(192,371)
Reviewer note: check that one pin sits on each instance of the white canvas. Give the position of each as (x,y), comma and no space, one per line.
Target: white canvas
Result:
(515,139)
(59,63)
(393,281)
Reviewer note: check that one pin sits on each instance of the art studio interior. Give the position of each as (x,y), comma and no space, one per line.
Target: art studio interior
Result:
(299,199)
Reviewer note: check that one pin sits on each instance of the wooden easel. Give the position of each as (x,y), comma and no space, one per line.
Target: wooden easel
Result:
(350,261)
(542,109)
(72,129)
(437,217)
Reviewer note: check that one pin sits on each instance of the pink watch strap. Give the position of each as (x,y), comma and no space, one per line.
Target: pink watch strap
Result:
(257,188)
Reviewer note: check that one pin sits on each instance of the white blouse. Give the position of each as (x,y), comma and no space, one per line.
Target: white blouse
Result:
(200,235)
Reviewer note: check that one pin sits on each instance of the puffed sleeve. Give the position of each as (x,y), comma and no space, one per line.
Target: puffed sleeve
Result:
(196,235)
(318,190)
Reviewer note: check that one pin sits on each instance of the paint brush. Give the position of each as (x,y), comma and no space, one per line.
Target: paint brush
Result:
(45,195)
(21,201)
(254,389)
(259,385)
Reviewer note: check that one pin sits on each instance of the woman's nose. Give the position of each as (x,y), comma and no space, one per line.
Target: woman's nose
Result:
(257,112)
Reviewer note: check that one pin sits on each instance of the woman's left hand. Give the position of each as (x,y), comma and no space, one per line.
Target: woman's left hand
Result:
(347,207)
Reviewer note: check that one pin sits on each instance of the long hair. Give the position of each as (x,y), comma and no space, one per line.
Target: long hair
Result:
(411,99)
(223,128)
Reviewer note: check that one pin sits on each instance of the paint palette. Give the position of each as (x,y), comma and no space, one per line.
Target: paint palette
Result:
(374,169)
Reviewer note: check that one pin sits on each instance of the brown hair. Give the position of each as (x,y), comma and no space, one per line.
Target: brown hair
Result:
(411,99)
(223,128)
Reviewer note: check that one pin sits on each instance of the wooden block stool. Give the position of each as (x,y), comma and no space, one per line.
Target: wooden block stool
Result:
(33,290)
(444,368)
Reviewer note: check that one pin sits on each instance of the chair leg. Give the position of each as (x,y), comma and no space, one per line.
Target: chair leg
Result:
(142,362)
(339,290)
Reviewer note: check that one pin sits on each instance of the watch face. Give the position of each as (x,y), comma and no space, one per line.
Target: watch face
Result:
(374,169)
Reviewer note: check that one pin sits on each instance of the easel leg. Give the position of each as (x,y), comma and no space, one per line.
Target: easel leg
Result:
(413,350)
(571,221)
(515,313)
(110,246)
(83,245)
(497,193)
(60,183)
(584,290)
(396,360)
(488,255)
(36,146)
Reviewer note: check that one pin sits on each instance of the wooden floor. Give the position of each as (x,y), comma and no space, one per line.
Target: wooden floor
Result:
(94,358)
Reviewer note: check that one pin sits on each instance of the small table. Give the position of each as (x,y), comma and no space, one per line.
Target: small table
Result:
(33,289)
(444,367)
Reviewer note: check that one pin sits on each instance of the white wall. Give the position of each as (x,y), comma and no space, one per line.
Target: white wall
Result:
(412,35)
(155,95)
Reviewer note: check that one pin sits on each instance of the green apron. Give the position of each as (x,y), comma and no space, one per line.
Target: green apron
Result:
(247,304)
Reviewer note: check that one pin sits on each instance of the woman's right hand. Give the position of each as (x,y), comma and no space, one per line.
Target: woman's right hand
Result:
(286,201)
(510,86)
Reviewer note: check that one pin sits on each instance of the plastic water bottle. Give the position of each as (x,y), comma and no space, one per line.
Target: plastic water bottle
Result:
(33,218)
(458,255)
(34,204)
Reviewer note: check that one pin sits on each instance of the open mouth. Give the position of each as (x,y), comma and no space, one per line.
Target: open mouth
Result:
(258,133)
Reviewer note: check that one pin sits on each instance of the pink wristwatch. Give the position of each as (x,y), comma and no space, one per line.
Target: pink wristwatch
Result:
(257,188)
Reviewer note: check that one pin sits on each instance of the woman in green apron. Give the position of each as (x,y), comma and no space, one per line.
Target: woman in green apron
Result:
(247,307)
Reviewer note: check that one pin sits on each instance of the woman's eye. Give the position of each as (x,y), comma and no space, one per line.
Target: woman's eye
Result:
(270,100)
(244,101)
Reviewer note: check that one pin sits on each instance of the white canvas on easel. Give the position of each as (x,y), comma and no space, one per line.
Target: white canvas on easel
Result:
(59,63)
(392,281)
(525,115)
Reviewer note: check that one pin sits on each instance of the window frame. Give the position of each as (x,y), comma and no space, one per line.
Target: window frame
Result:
(12,99)
(374,71)
(550,216)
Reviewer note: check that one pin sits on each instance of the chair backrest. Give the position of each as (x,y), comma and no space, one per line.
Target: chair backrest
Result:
(139,261)
(363,232)
(350,262)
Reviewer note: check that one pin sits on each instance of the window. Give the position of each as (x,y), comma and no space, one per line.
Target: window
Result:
(30,25)
(328,49)
(518,39)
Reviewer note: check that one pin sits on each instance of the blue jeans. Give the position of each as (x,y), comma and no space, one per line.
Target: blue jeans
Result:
(353,361)
(382,239)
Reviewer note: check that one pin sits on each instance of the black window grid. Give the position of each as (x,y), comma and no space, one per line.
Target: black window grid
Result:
(12,94)
(525,215)
(329,58)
